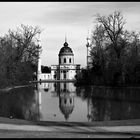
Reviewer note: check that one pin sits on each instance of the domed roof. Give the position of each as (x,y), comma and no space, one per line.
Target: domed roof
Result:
(66,110)
(65,50)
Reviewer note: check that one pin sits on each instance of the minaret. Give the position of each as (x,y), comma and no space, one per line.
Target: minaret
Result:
(39,63)
(88,52)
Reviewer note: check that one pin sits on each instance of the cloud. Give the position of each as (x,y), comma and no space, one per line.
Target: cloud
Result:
(60,18)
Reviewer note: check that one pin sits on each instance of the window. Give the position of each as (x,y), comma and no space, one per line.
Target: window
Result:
(54,76)
(64,74)
(70,60)
(59,60)
(64,60)
(70,101)
(65,85)
(65,101)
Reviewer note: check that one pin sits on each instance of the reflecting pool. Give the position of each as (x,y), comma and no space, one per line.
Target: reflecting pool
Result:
(65,102)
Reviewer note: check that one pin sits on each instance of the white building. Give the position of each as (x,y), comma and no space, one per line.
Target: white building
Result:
(41,75)
(65,70)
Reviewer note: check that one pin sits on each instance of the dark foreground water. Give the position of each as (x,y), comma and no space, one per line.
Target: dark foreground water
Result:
(65,102)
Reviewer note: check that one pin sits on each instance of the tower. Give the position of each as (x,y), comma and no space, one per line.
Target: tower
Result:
(88,45)
(66,61)
(39,63)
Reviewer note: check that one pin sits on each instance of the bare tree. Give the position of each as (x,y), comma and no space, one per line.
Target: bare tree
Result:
(98,45)
(19,52)
(25,38)
(113,25)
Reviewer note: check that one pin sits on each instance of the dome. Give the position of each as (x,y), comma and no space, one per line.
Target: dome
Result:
(65,50)
(66,105)
(66,110)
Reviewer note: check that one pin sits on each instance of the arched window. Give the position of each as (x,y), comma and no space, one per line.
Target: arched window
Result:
(70,60)
(64,60)
(70,101)
(65,85)
(65,101)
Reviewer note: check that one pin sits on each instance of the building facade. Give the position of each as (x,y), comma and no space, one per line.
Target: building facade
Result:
(65,70)
(41,75)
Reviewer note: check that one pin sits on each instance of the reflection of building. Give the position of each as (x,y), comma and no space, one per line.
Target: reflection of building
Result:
(89,104)
(67,87)
(66,93)
(66,98)
(65,70)
(66,104)
(38,96)
(46,86)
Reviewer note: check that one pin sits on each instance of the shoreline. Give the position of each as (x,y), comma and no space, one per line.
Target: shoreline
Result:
(17,128)
(6,89)
(130,122)
(51,81)
(110,87)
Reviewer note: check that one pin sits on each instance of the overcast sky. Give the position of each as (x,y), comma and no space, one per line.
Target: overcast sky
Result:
(59,18)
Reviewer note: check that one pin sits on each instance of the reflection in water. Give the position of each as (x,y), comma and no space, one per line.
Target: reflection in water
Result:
(65,92)
(112,104)
(20,104)
(66,98)
(65,102)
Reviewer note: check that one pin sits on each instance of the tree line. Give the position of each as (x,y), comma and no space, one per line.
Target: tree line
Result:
(19,53)
(115,53)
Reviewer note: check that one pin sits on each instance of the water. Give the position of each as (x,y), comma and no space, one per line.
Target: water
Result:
(65,102)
